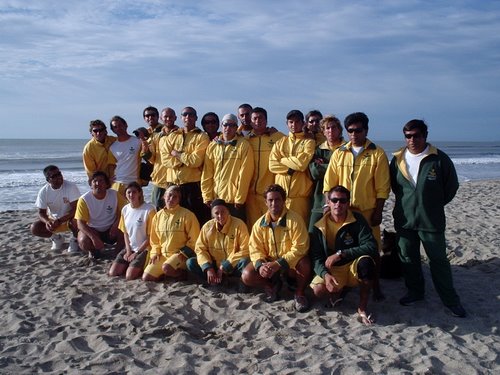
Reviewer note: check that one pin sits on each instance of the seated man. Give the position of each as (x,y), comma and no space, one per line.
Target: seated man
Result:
(173,235)
(342,251)
(278,245)
(98,214)
(56,203)
(222,246)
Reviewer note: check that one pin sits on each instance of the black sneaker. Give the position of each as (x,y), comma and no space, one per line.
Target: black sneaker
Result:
(409,300)
(457,310)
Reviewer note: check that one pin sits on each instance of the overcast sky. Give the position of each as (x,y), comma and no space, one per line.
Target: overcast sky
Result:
(64,63)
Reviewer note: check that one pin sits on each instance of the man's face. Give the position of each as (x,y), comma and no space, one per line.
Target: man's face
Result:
(259,123)
(295,125)
(221,214)
(99,133)
(357,134)
(55,178)
(119,127)
(229,129)
(99,185)
(275,204)
(168,117)
(313,124)
(338,204)
(244,114)
(172,199)
(151,118)
(415,141)
(332,132)
(189,118)
(210,124)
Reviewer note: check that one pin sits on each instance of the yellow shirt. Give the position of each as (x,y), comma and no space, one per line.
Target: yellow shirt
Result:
(97,157)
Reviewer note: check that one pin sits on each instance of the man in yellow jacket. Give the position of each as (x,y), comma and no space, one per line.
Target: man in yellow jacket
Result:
(363,169)
(262,139)
(279,245)
(222,246)
(228,168)
(289,160)
(96,154)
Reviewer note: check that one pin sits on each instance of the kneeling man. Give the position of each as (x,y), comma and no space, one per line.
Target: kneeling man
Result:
(279,243)
(342,251)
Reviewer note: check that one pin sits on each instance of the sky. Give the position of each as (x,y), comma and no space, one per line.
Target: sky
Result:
(64,63)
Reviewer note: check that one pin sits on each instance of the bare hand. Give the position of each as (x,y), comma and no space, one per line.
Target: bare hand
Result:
(331,283)
(331,260)
(154,259)
(214,277)
(267,270)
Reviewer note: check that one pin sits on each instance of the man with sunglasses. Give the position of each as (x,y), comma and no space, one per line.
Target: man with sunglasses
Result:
(56,203)
(96,154)
(362,167)
(342,252)
(423,180)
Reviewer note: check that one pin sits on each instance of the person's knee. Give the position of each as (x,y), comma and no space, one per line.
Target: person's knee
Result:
(366,269)
(248,274)
(319,290)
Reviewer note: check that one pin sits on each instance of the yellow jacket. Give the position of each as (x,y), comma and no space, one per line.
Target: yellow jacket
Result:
(367,176)
(188,167)
(262,146)
(174,230)
(159,174)
(289,160)
(227,171)
(97,157)
(287,243)
(226,247)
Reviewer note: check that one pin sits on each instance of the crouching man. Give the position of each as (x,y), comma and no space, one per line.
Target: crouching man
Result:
(279,244)
(342,252)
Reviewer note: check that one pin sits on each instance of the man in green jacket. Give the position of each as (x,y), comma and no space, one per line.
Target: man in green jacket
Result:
(423,180)
(342,252)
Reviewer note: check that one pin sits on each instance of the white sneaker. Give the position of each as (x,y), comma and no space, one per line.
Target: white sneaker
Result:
(57,242)
(73,245)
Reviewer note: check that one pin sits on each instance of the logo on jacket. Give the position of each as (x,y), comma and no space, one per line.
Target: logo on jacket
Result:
(348,240)
(432,175)
(109,210)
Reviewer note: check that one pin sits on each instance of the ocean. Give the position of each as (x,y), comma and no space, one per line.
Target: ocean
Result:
(22,162)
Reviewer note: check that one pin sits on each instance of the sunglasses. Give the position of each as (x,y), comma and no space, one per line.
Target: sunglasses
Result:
(99,130)
(187,114)
(226,124)
(57,174)
(210,122)
(355,130)
(341,200)
(150,115)
(410,136)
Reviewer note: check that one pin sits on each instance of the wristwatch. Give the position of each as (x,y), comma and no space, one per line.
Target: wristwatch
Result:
(339,253)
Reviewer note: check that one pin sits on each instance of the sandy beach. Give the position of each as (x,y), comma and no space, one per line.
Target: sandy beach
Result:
(59,315)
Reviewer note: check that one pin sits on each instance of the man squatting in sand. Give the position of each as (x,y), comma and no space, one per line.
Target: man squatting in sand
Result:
(342,252)
(98,214)
(56,203)
(222,246)
(424,180)
(279,244)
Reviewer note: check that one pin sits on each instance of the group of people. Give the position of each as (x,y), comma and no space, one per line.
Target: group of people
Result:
(252,203)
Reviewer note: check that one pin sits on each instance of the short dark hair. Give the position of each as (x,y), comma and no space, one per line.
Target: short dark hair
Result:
(100,173)
(314,112)
(356,118)
(330,119)
(138,187)
(275,188)
(340,189)
(245,105)
(191,109)
(209,114)
(295,114)
(151,108)
(48,169)
(416,124)
(260,110)
(116,118)
(96,123)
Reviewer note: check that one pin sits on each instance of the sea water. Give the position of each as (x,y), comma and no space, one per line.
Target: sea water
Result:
(22,162)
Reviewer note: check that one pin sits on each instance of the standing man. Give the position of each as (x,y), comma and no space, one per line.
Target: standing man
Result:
(423,180)
(363,169)
(153,154)
(313,119)
(151,116)
(56,203)
(126,152)
(278,245)
(342,252)
(228,169)
(262,139)
(289,161)
(98,214)
(182,154)
(96,155)
(244,114)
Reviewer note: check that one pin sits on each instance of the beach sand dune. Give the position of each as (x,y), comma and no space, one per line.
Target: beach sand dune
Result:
(59,315)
